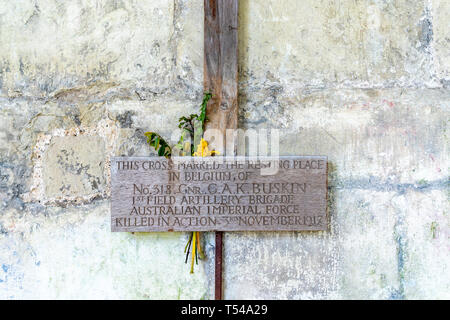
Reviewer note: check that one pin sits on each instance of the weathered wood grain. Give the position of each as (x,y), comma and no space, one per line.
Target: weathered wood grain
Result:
(221,79)
(221,64)
(218,194)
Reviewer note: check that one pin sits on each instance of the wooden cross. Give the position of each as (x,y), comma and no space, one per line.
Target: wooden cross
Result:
(152,194)
(221,79)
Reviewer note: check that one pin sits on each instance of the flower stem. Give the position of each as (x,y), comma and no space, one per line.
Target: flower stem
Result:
(193,254)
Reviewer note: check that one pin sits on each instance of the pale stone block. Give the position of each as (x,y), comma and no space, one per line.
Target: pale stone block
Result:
(189,24)
(356,258)
(423,234)
(389,135)
(293,265)
(49,46)
(367,246)
(349,43)
(441,33)
(74,166)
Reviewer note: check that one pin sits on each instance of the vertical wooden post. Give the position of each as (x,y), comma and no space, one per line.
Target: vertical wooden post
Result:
(221,79)
(218,275)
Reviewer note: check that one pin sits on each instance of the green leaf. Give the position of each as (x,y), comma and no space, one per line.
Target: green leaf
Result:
(160,145)
(202,118)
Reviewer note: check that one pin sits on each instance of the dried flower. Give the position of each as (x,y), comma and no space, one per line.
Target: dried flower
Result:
(203,150)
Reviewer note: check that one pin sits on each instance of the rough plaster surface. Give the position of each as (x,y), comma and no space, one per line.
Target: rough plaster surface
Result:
(363,82)
(442,39)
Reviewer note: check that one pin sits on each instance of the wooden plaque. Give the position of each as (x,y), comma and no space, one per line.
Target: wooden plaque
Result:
(218,194)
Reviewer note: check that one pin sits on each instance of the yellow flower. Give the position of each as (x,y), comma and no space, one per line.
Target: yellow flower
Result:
(194,239)
(203,151)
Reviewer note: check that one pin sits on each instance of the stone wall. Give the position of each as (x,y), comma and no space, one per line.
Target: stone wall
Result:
(364,82)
